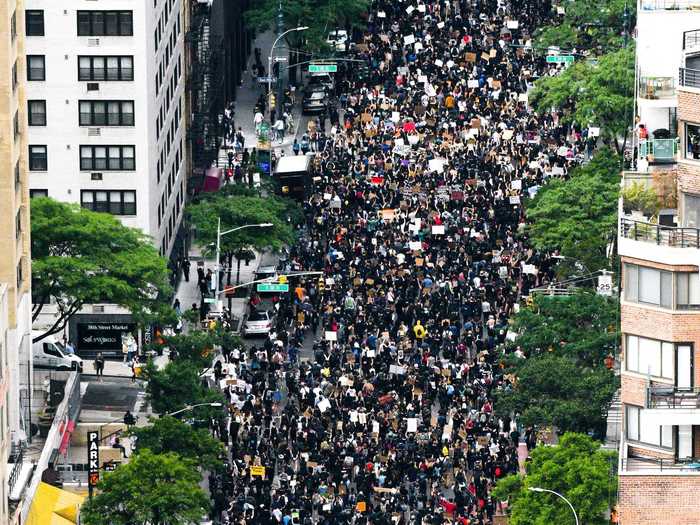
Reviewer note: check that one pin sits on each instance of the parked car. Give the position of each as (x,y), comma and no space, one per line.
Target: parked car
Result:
(320,79)
(315,101)
(258,322)
(338,40)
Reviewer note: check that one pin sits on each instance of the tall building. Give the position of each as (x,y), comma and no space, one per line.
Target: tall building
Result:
(105,109)
(659,248)
(15,262)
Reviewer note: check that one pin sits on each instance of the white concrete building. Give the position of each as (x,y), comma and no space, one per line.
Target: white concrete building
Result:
(105,107)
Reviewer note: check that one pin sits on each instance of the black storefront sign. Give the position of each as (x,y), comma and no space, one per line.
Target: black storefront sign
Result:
(103,337)
(93,441)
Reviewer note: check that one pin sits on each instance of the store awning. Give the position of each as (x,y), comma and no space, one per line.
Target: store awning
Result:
(54,506)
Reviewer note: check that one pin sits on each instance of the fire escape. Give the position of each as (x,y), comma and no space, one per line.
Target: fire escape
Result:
(205,87)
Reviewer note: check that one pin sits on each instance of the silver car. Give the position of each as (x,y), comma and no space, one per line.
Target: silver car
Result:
(259,322)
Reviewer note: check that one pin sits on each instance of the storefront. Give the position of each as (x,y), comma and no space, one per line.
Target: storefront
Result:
(100,333)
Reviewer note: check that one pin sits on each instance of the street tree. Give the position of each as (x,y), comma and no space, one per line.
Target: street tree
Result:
(81,257)
(598,27)
(582,327)
(241,210)
(169,434)
(553,390)
(598,94)
(158,489)
(577,468)
(578,216)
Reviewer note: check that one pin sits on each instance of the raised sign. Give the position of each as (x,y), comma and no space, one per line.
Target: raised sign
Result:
(93,441)
(323,68)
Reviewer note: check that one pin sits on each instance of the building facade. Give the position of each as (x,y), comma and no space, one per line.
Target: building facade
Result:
(106,112)
(15,262)
(660,301)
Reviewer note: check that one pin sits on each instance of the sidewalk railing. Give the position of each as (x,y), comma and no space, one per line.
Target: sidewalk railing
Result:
(661,235)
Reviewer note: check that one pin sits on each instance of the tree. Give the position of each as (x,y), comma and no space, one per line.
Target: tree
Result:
(154,489)
(555,390)
(577,468)
(168,434)
(239,210)
(81,257)
(597,94)
(598,27)
(578,216)
(178,385)
(582,326)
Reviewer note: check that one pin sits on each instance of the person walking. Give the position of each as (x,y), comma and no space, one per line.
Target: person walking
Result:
(99,365)
(186,269)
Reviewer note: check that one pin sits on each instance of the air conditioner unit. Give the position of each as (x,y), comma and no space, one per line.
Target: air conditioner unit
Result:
(98,309)
(96,176)
(93,42)
(93,86)
(94,132)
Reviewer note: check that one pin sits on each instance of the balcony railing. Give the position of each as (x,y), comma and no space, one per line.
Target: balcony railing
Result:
(689,77)
(659,150)
(691,39)
(656,88)
(661,235)
(652,5)
(673,397)
(666,465)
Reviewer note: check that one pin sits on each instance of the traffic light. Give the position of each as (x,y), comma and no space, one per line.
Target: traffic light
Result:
(273,100)
(282,279)
(321,284)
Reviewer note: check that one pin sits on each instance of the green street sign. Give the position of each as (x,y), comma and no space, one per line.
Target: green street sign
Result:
(323,68)
(560,59)
(210,300)
(264,287)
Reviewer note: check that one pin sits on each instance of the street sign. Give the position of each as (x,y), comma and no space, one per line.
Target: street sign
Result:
(560,59)
(210,300)
(93,441)
(280,59)
(265,287)
(265,80)
(323,68)
(605,285)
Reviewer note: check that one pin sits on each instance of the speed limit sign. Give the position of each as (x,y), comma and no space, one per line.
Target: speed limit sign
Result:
(605,286)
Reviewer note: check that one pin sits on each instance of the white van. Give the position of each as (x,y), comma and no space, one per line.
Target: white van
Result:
(50,353)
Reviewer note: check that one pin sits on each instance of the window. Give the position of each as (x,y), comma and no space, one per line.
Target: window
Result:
(649,356)
(687,291)
(107,158)
(106,68)
(20,273)
(691,210)
(18,224)
(105,23)
(15,124)
(692,141)
(639,428)
(106,112)
(13,26)
(38,193)
(15,76)
(34,22)
(109,201)
(648,285)
(36,112)
(38,158)
(36,67)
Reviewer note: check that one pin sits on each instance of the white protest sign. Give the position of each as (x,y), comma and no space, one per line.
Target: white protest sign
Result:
(421,8)
(398,370)
(514,199)
(410,9)
(395,116)
(415,246)
(418,46)
(438,62)
(331,336)
(409,39)
(471,84)
(440,25)
(324,405)
(438,229)
(381,14)
(437,165)
(512,24)
(411,424)
(530,269)
(375,427)
(593,132)
(516,184)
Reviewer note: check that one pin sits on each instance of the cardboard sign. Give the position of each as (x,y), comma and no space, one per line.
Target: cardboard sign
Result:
(257,471)
(331,336)
(530,269)
(398,370)
(408,40)
(470,57)
(388,214)
(361,506)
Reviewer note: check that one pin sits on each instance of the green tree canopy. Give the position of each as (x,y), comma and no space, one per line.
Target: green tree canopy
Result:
(577,468)
(168,434)
(578,216)
(592,26)
(81,257)
(158,489)
(554,390)
(597,94)
(582,327)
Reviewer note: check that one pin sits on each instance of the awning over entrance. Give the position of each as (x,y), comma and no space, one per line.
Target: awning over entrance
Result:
(54,506)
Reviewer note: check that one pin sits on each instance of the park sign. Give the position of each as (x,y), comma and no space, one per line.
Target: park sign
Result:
(272,287)
(93,439)
(323,68)
(560,59)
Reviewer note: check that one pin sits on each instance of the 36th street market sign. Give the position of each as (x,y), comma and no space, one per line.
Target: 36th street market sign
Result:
(323,68)
(93,439)
(560,59)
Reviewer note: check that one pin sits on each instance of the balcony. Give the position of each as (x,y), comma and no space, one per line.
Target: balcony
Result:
(670,397)
(691,40)
(661,235)
(670,466)
(657,88)
(659,150)
(671,5)
(689,77)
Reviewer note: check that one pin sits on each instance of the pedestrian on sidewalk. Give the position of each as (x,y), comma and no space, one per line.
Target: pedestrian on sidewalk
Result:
(99,364)
(240,138)
(186,268)
(305,144)
(296,147)
(230,156)
(279,128)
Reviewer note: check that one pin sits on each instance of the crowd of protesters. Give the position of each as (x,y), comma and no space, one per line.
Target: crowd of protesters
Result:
(416,221)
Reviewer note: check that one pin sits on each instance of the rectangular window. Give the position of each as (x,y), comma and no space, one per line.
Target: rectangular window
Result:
(13,26)
(107,158)
(687,291)
(38,160)
(38,193)
(18,224)
(15,124)
(116,202)
(34,22)
(36,67)
(106,68)
(691,210)
(648,285)
(105,23)
(15,77)
(692,141)
(639,427)
(20,273)
(36,110)
(106,112)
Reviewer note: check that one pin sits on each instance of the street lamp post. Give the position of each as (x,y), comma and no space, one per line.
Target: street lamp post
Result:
(190,407)
(539,489)
(219,235)
(269,70)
